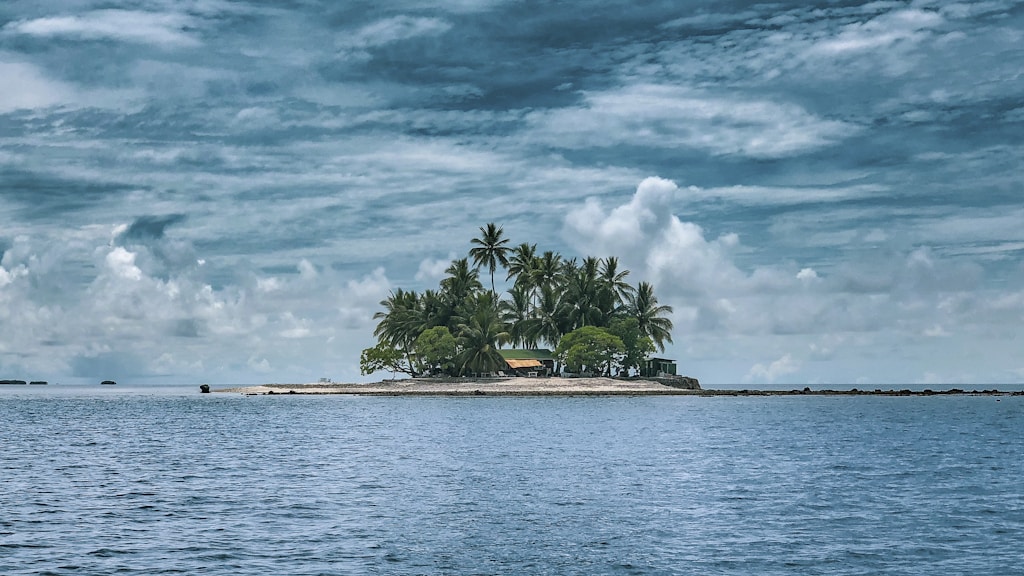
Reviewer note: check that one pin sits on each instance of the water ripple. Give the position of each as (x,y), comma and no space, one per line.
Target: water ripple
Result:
(179,483)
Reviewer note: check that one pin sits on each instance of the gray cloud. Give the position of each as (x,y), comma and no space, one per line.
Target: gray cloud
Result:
(151,227)
(181,181)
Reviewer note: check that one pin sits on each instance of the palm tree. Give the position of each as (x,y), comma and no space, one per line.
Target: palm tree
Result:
(551,322)
(462,281)
(399,324)
(516,314)
(614,280)
(522,266)
(643,305)
(432,310)
(612,289)
(548,270)
(522,263)
(480,335)
(581,297)
(490,250)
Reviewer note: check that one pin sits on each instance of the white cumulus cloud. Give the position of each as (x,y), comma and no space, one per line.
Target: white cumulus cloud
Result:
(774,370)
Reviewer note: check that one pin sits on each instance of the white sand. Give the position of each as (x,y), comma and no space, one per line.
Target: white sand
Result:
(470,386)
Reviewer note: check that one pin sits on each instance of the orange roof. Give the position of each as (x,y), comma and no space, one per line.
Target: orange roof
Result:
(515,363)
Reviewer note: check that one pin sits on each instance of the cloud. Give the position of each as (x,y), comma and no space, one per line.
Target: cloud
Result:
(851,304)
(396,29)
(122,264)
(807,275)
(773,371)
(361,298)
(659,116)
(431,270)
(152,227)
(358,44)
(161,29)
(850,175)
(27,87)
(123,319)
(307,270)
(646,235)
(881,32)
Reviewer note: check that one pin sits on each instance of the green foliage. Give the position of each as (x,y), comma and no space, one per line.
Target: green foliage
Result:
(490,250)
(480,336)
(383,357)
(590,349)
(636,346)
(460,326)
(436,349)
(643,305)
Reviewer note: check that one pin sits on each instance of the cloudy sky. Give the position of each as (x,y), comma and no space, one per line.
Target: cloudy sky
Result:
(217,191)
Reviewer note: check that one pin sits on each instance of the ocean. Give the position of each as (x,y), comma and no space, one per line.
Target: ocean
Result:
(169,481)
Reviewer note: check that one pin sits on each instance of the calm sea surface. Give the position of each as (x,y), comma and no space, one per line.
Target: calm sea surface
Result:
(168,481)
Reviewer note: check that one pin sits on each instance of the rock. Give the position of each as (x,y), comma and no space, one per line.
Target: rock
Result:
(681,382)
(204,388)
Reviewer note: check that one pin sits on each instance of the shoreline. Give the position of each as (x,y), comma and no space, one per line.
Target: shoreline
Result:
(557,386)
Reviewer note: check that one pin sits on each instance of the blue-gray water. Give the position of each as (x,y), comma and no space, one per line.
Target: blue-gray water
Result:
(163,481)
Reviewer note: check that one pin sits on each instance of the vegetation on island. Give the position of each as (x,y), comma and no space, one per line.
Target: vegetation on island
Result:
(586,311)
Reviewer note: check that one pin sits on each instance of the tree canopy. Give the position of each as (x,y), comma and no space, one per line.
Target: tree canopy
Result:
(587,311)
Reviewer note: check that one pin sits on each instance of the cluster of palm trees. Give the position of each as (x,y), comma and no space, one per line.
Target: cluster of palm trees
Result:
(550,296)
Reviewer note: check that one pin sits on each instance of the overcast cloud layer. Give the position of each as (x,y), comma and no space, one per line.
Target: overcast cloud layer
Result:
(214,191)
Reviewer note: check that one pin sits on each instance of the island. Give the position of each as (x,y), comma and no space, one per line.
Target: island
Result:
(559,316)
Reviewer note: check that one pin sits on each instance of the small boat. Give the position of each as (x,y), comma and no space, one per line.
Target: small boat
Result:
(108,383)
(38,383)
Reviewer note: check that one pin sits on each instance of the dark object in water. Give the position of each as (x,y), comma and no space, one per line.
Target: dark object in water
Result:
(108,383)
(38,383)
(204,388)
(18,382)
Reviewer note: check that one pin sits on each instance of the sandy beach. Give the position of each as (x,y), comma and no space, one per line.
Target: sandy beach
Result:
(570,387)
(512,386)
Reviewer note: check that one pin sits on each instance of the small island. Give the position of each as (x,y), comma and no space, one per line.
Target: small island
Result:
(559,317)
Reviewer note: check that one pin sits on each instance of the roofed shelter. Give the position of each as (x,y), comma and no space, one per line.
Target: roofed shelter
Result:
(529,362)
(658,367)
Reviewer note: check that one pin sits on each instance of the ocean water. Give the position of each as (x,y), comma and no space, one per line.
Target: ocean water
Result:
(168,481)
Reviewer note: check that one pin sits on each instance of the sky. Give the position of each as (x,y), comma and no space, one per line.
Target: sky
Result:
(826,192)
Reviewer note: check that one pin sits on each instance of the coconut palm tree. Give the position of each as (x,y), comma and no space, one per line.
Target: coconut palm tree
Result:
(614,280)
(480,336)
(399,324)
(490,250)
(522,266)
(462,281)
(612,289)
(522,263)
(643,305)
(548,270)
(551,322)
(432,310)
(516,313)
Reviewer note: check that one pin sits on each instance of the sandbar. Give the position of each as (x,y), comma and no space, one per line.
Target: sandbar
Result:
(502,386)
(561,386)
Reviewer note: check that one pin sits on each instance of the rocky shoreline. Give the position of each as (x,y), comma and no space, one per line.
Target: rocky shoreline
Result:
(512,386)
